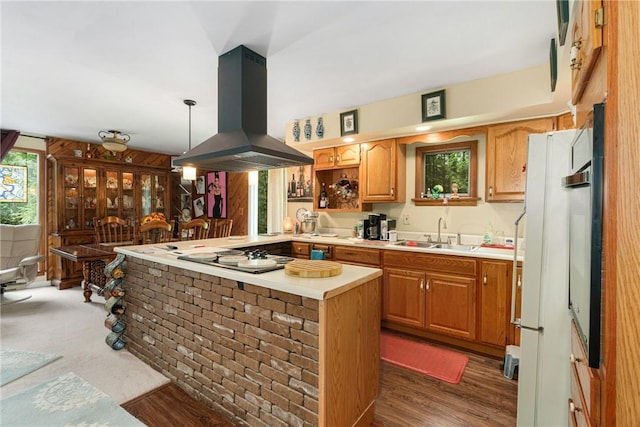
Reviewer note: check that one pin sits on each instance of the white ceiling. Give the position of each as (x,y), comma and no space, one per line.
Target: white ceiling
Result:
(71,69)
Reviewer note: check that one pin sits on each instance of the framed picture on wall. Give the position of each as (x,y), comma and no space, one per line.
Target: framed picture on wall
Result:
(198,207)
(217,194)
(433,106)
(14,183)
(200,185)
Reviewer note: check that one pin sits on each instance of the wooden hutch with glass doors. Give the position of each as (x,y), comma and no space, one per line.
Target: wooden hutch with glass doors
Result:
(85,181)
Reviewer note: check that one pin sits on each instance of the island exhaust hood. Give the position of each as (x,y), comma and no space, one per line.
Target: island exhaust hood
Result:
(242,143)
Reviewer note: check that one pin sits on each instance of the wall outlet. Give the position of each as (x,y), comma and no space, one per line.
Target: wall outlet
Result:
(405,219)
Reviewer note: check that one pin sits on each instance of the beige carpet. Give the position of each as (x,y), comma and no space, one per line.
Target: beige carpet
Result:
(59,322)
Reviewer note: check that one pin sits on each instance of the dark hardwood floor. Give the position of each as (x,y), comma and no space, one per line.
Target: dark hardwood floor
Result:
(169,405)
(407,399)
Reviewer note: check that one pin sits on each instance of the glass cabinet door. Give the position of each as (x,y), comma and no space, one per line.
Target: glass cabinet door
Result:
(112,193)
(128,201)
(89,197)
(71,215)
(145,195)
(160,188)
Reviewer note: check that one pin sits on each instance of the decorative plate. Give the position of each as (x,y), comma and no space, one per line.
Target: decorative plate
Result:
(301,214)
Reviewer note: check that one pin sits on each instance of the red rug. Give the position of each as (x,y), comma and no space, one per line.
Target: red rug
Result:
(442,364)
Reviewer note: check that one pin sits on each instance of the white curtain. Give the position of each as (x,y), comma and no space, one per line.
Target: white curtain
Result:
(276,199)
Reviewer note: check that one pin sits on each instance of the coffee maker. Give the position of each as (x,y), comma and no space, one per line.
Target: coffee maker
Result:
(375,220)
(386,225)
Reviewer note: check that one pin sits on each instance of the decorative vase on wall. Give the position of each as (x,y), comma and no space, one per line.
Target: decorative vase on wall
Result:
(296,131)
(320,128)
(307,129)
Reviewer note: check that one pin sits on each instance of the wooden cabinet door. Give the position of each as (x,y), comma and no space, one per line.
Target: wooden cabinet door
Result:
(323,158)
(507,157)
(347,155)
(494,279)
(381,172)
(514,333)
(587,38)
(403,297)
(451,305)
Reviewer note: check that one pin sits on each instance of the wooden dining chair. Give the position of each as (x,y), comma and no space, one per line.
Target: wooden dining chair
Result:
(113,229)
(195,229)
(221,228)
(156,231)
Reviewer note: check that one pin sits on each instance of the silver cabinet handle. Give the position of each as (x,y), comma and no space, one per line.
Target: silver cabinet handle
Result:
(484,279)
(421,284)
(428,284)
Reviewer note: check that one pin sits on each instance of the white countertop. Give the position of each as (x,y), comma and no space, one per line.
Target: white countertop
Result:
(316,288)
(480,252)
(319,289)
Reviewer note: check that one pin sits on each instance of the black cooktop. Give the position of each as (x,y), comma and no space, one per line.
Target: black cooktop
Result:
(251,254)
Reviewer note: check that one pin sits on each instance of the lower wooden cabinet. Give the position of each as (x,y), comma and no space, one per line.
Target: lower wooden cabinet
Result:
(449,298)
(451,305)
(300,250)
(439,297)
(403,298)
(584,403)
(514,333)
(494,316)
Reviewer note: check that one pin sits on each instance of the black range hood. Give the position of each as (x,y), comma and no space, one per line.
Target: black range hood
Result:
(242,143)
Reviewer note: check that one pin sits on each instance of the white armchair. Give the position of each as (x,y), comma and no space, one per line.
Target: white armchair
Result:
(19,247)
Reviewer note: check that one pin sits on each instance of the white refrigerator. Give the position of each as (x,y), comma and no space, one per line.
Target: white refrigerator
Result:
(545,345)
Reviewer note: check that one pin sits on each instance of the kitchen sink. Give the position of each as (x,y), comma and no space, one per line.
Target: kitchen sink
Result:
(454,247)
(415,244)
(431,245)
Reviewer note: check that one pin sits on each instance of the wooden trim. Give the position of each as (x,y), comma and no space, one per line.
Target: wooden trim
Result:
(473,171)
(462,201)
(443,136)
(349,356)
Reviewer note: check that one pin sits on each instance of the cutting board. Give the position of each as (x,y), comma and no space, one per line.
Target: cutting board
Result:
(312,268)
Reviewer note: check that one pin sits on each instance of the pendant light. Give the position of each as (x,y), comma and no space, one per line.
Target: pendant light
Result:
(189,172)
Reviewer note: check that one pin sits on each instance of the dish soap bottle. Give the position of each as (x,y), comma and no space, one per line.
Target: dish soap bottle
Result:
(488,236)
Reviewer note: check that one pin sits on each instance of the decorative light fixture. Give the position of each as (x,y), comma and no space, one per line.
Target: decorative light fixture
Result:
(114,140)
(189,172)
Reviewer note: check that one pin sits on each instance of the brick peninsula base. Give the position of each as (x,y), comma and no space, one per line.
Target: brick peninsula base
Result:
(259,356)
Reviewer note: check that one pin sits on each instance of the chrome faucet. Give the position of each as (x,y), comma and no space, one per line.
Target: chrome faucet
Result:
(441,220)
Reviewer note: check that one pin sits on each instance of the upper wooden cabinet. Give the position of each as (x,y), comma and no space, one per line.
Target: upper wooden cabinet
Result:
(383,171)
(339,169)
(586,44)
(507,158)
(336,157)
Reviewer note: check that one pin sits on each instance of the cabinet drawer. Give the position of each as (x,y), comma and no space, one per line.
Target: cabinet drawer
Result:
(578,416)
(586,377)
(77,240)
(357,255)
(459,265)
(300,250)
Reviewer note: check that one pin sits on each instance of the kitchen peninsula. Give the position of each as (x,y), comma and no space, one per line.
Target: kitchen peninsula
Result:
(263,349)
